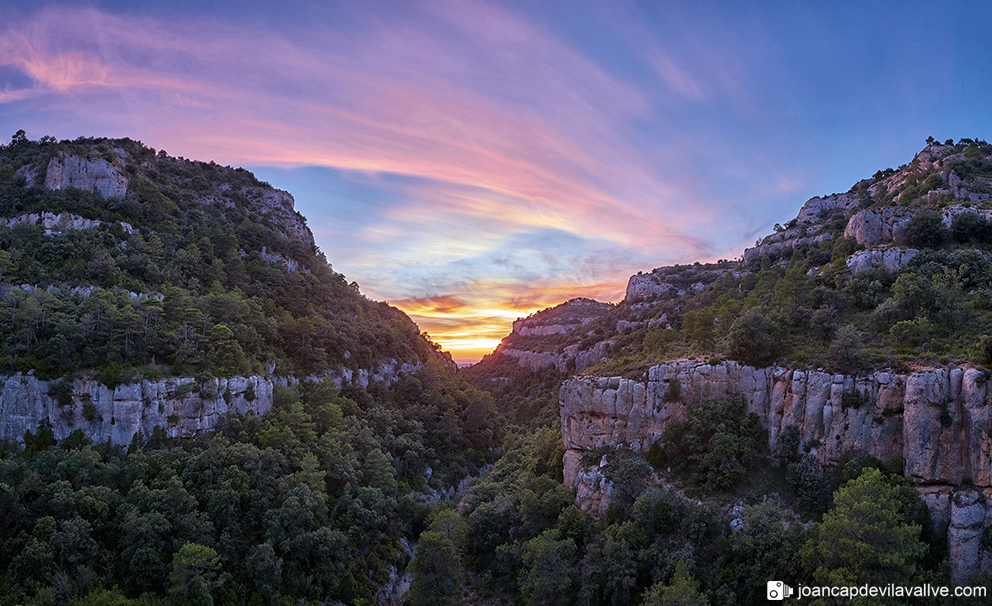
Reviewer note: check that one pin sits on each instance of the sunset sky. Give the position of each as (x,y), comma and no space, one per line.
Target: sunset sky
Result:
(474,162)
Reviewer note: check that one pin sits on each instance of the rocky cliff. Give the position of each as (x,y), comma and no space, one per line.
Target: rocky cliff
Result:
(179,406)
(107,176)
(533,345)
(92,174)
(936,420)
(677,280)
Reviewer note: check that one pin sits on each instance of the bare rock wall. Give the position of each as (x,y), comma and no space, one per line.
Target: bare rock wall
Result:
(937,420)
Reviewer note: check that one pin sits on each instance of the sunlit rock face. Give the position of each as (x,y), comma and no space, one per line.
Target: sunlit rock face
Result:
(936,419)
(527,346)
(91,174)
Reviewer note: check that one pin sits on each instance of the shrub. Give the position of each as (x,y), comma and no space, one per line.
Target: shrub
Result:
(822,324)
(184,389)
(852,398)
(969,228)
(750,338)
(89,411)
(61,390)
(656,456)
(805,476)
(846,350)
(112,375)
(911,333)
(926,230)
(717,442)
(787,446)
(628,473)
(673,393)
(843,248)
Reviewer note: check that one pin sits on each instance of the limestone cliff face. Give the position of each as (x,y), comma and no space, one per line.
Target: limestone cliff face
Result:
(62,223)
(937,420)
(110,181)
(117,414)
(890,224)
(645,285)
(891,258)
(569,358)
(526,346)
(279,205)
(96,174)
(677,279)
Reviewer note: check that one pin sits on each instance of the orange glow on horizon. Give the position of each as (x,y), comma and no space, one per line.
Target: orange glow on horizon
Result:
(472,326)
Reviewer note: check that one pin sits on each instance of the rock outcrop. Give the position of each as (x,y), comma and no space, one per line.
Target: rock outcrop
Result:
(279,205)
(561,318)
(570,358)
(117,414)
(526,345)
(937,420)
(177,405)
(890,224)
(592,489)
(891,258)
(819,207)
(92,174)
(776,247)
(61,223)
(646,285)
(964,537)
(677,280)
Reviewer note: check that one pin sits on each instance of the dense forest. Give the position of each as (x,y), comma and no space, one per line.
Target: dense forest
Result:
(450,482)
(317,500)
(195,271)
(201,270)
(728,517)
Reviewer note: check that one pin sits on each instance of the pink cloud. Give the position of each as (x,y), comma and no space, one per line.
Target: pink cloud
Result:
(51,51)
(407,120)
(538,143)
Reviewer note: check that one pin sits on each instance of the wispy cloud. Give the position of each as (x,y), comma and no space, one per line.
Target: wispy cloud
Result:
(527,178)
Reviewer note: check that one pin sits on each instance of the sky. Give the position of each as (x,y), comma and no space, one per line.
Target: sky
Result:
(474,162)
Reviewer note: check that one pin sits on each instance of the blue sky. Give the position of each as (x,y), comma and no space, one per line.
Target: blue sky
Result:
(474,162)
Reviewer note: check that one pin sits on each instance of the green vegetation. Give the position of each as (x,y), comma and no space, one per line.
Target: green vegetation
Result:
(799,313)
(716,443)
(309,502)
(800,306)
(526,542)
(323,498)
(185,290)
(866,538)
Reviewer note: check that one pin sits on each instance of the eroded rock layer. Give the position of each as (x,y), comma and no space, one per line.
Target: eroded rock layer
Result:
(179,406)
(936,420)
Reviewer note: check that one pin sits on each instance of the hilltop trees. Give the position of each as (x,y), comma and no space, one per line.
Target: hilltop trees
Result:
(192,272)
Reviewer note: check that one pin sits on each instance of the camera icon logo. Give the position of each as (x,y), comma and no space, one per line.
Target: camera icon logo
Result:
(777,590)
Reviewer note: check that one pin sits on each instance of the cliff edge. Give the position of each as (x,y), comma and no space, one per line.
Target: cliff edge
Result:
(935,419)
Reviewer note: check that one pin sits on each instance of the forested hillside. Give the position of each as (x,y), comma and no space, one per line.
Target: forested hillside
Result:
(341,494)
(197,268)
(888,277)
(894,273)
(120,263)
